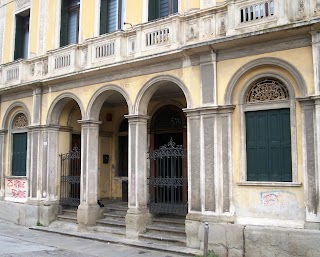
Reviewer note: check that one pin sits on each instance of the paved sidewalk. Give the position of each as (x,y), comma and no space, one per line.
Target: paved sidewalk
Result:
(18,241)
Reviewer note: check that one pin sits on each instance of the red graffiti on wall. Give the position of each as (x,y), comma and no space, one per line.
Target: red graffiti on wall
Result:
(18,193)
(16,183)
(16,188)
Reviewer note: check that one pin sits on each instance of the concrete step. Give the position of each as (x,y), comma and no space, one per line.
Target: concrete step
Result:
(166,230)
(115,214)
(111,231)
(67,218)
(177,222)
(111,223)
(57,224)
(69,212)
(113,218)
(163,239)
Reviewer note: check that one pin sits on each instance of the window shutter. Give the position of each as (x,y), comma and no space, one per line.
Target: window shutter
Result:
(164,8)
(252,144)
(18,39)
(174,6)
(19,154)
(275,153)
(64,23)
(154,9)
(257,146)
(103,17)
(286,145)
(112,13)
(73,27)
(25,36)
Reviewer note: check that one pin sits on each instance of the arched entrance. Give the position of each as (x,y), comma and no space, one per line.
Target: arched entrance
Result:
(168,162)
(109,105)
(64,114)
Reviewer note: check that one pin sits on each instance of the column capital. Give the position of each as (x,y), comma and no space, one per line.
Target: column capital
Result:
(89,122)
(213,109)
(3,132)
(137,117)
(315,35)
(307,102)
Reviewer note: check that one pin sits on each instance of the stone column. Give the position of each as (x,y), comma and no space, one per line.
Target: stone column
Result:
(35,145)
(316,60)
(310,143)
(3,135)
(50,163)
(89,210)
(138,214)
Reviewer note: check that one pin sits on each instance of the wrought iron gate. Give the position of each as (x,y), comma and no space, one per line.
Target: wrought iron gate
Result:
(70,178)
(167,181)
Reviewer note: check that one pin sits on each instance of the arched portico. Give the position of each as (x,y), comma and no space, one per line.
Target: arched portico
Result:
(102,178)
(163,92)
(63,135)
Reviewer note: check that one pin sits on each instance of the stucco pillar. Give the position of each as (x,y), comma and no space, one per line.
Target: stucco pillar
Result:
(209,169)
(35,144)
(208,68)
(283,10)
(3,135)
(89,210)
(316,60)
(311,142)
(138,214)
(231,18)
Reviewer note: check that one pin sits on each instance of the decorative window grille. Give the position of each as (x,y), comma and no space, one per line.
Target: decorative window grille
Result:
(20,121)
(267,90)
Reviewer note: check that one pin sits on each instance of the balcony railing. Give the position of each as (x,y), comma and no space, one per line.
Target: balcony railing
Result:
(158,37)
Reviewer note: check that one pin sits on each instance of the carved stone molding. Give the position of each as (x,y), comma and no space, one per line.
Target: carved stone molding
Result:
(22,4)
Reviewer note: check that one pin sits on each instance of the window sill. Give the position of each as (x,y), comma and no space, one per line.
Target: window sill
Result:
(270,184)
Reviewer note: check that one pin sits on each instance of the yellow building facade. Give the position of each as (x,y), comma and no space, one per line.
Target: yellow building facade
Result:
(203,109)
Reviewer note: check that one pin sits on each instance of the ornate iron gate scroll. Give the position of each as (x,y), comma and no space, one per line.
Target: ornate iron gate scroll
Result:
(168,187)
(70,178)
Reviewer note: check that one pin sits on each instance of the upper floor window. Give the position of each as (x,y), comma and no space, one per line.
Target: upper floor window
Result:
(110,16)
(22,35)
(162,8)
(69,30)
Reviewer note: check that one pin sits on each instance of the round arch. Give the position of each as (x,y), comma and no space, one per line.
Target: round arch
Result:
(276,62)
(99,98)
(151,86)
(11,109)
(58,104)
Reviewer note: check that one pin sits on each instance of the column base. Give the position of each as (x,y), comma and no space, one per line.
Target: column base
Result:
(136,222)
(87,215)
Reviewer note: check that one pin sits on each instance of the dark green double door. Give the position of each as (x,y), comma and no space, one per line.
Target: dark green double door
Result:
(268,140)
(19,154)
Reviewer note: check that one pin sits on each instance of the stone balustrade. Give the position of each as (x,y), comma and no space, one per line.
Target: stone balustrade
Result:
(159,37)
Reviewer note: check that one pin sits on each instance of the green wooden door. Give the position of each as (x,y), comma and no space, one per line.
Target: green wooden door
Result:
(268,141)
(19,154)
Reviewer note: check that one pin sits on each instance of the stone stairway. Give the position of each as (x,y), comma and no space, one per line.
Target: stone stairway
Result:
(166,230)
(68,215)
(113,220)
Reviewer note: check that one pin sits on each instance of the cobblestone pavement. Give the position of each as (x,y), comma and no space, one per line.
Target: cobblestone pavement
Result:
(18,241)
